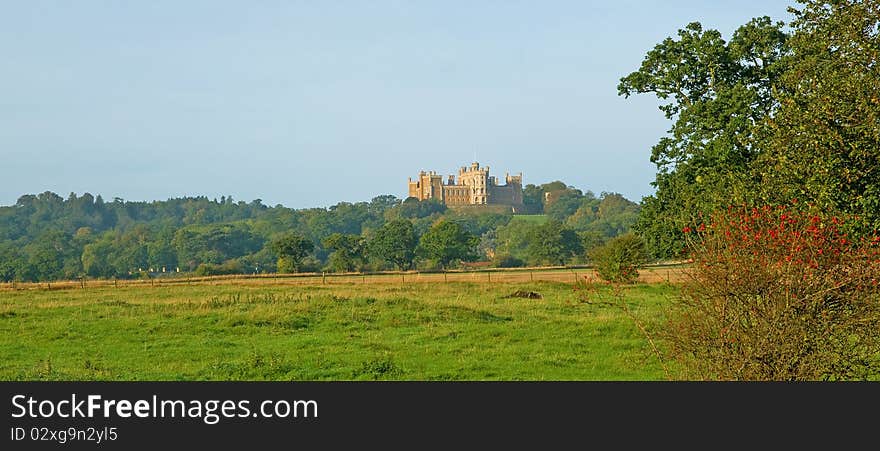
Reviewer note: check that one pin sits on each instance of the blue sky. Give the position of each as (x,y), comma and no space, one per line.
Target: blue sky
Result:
(310,103)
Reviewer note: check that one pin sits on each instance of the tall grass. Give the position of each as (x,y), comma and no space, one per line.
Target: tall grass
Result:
(454,331)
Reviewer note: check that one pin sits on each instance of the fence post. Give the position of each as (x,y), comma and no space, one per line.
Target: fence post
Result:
(532,276)
(323,277)
(444,275)
(82,282)
(490,276)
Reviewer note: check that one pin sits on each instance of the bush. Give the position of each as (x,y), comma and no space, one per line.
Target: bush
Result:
(507,261)
(229,267)
(779,294)
(310,264)
(618,260)
(287,265)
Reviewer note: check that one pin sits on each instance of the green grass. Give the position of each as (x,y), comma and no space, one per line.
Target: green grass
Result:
(454,331)
(535,219)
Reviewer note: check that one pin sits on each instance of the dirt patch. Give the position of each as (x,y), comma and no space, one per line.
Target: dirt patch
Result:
(524,295)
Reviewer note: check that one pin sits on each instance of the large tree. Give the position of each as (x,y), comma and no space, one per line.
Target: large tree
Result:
(825,139)
(395,242)
(447,242)
(717,95)
(291,248)
(553,243)
(347,251)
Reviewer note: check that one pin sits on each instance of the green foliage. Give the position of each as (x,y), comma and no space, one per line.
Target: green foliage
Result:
(563,203)
(47,237)
(507,261)
(533,199)
(478,222)
(10,262)
(291,248)
(825,139)
(553,243)
(717,94)
(533,219)
(230,267)
(538,198)
(349,251)
(618,260)
(448,242)
(413,208)
(607,216)
(513,239)
(212,243)
(96,258)
(54,256)
(395,243)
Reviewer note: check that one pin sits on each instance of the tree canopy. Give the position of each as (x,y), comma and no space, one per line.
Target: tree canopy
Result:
(46,237)
(395,242)
(447,242)
(717,95)
(775,115)
(291,248)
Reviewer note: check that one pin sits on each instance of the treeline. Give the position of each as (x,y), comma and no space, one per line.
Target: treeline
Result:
(47,237)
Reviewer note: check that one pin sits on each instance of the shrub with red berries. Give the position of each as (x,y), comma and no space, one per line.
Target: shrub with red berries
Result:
(779,293)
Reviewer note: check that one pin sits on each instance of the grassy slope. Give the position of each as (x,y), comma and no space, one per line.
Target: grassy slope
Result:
(399,332)
(536,219)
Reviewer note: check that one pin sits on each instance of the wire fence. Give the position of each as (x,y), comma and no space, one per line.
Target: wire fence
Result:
(674,273)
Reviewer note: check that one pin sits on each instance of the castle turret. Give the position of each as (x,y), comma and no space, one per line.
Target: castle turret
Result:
(473,186)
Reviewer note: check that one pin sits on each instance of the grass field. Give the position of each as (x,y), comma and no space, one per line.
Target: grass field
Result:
(535,219)
(344,331)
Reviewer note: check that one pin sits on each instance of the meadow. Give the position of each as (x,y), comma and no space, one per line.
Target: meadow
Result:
(277,330)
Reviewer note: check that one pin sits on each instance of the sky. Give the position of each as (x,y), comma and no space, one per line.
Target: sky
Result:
(311,103)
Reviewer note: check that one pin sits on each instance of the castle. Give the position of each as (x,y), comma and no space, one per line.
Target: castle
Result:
(474,187)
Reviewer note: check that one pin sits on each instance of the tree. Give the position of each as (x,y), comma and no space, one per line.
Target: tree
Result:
(447,242)
(348,251)
(212,243)
(381,203)
(533,199)
(717,95)
(513,239)
(413,208)
(553,243)
(606,217)
(291,248)
(52,256)
(618,260)
(97,258)
(10,262)
(562,204)
(825,139)
(395,242)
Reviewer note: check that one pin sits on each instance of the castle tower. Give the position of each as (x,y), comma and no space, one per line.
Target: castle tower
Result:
(474,186)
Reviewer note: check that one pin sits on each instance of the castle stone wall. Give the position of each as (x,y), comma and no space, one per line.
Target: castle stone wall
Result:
(474,187)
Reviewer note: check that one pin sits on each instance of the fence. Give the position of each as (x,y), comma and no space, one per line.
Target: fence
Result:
(649,274)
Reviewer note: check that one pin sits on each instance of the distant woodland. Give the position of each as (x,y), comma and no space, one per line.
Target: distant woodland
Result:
(46,237)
